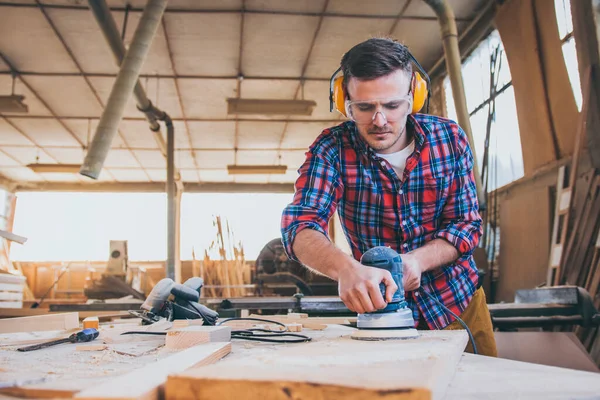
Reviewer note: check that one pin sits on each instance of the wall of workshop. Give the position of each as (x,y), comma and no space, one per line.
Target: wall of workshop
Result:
(547,111)
(547,115)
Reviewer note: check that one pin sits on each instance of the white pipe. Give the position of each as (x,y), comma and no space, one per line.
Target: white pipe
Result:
(454,66)
(123,88)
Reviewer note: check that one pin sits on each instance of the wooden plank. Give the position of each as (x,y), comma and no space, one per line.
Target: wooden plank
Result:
(147,382)
(496,378)
(12,237)
(11,296)
(11,304)
(54,322)
(330,367)
(525,237)
(516,24)
(10,278)
(11,287)
(183,338)
(556,245)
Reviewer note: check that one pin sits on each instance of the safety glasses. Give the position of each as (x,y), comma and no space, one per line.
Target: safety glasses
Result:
(393,109)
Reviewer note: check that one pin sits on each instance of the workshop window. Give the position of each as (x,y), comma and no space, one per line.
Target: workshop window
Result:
(79,226)
(491,105)
(565,32)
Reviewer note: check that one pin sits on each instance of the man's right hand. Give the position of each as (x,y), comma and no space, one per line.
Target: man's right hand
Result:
(359,288)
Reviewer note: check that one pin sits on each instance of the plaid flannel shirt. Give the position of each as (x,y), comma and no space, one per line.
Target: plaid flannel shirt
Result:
(435,198)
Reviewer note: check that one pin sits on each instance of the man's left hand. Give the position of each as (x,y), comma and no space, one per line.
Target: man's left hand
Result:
(412,270)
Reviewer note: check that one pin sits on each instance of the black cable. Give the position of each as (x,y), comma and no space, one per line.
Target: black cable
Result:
(250,334)
(268,321)
(471,338)
(264,339)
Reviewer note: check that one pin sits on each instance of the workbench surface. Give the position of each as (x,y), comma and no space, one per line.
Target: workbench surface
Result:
(476,377)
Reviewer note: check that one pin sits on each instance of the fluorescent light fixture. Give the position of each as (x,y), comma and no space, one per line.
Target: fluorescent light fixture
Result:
(59,168)
(256,169)
(268,107)
(13,104)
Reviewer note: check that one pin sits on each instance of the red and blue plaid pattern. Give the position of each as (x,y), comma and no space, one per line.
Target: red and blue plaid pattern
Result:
(435,198)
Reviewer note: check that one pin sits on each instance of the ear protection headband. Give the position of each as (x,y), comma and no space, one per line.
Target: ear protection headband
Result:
(419,89)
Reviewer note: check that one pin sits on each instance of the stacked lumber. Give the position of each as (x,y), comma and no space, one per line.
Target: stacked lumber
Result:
(582,253)
(224,268)
(11,290)
(581,262)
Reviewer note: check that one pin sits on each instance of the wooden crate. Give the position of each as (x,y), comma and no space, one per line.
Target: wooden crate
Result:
(11,290)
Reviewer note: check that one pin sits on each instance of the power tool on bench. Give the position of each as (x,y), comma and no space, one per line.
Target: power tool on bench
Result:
(396,315)
(183,305)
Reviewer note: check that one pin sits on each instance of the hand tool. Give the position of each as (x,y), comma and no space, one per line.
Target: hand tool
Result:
(183,306)
(86,335)
(396,315)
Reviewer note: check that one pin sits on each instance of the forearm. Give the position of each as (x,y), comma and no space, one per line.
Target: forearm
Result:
(434,254)
(316,252)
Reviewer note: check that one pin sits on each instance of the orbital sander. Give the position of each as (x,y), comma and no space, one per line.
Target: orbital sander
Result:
(395,321)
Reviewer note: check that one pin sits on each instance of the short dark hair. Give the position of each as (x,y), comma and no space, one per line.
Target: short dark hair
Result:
(374,58)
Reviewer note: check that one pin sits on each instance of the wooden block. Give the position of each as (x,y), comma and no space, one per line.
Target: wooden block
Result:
(297,315)
(314,326)
(49,322)
(194,335)
(91,322)
(335,367)
(91,347)
(294,327)
(182,323)
(147,382)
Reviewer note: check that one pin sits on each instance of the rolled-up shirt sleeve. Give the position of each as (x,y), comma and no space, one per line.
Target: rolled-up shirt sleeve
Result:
(318,190)
(461,222)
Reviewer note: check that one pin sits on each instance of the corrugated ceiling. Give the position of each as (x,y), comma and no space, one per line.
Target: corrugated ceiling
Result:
(287,50)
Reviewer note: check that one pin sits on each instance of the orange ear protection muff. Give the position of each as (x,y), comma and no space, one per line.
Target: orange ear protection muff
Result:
(419,89)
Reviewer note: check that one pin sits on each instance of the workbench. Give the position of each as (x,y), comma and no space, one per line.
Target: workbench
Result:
(475,377)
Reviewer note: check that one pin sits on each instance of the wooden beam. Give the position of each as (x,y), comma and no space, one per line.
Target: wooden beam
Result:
(53,322)
(147,382)
(586,32)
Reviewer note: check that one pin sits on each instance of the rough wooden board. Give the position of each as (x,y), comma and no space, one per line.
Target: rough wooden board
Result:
(183,338)
(515,22)
(54,322)
(147,382)
(379,368)
(480,377)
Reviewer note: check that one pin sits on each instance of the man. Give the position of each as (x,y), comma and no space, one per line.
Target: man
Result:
(397,179)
